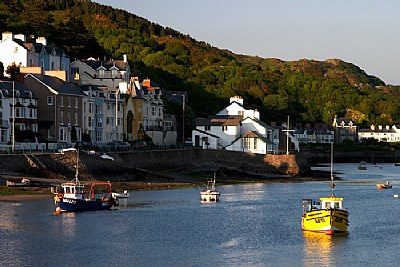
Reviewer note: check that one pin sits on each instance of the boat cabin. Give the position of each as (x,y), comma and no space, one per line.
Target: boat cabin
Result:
(324,203)
(331,203)
(72,190)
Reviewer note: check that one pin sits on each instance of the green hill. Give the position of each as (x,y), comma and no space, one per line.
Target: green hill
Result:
(307,90)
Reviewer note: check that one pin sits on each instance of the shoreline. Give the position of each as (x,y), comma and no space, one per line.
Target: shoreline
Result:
(34,193)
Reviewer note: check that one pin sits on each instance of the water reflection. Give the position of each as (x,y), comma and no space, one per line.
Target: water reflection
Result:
(319,248)
(68,224)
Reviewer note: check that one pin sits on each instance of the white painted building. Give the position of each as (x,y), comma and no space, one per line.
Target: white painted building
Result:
(31,52)
(380,133)
(238,129)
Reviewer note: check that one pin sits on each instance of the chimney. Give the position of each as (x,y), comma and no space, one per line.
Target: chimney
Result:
(7,35)
(41,40)
(146,82)
(21,37)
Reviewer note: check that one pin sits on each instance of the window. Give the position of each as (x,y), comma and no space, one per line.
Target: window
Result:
(207,127)
(98,136)
(241,113)
(49,100)
(114,73)
(101,74)
(69,102)
(16,49)
(42,62)
(108,106)
(153,111)
(62,117)
(76,119)
(91,107)
(74,70)
(99,109)
(224,128)
(62,101)
(52,66)
(69,118)
(100,122)
(76,102)
(31,62)
(90,122)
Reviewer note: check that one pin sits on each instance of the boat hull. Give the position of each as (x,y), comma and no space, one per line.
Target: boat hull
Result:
(70,204)
(328,221)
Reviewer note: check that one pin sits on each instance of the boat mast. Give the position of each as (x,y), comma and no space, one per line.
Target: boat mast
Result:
(77,164)
(332,184)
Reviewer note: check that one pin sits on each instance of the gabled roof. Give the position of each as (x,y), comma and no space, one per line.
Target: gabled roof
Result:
(107,64)
(222,120)
(261,123)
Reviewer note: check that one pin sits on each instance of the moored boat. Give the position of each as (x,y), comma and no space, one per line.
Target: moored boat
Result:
(210,194)
(362,166)
(326,215)
(386,185)
(124,194)
(18,182)
(74,197)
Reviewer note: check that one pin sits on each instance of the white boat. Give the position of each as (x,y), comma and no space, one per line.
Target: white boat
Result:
(210,194)
(18,182)
(125,194)
(362,166)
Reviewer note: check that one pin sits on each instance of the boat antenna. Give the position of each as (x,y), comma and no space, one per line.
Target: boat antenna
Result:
(332,183)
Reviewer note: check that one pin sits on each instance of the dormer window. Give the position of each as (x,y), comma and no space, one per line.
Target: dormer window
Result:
(101,74)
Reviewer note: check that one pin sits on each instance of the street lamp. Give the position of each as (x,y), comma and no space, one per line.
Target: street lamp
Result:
(183,117)
(116,114)
(13,119)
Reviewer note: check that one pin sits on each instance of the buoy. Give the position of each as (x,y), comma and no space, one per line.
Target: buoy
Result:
(58,210)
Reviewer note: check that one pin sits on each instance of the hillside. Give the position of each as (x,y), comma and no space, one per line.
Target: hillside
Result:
(307,90)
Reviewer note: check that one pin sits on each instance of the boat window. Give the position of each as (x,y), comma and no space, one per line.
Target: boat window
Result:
(336,205)
(328,205)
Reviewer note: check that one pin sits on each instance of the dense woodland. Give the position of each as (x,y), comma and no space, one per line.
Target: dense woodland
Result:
(309,91)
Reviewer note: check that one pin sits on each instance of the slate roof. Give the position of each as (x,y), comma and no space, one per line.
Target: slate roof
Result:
(377,130)
(23,90)
(223,120)
(263,124)
(62,87)
(107,64)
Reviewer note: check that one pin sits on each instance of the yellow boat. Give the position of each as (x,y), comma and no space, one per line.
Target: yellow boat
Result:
(326,215)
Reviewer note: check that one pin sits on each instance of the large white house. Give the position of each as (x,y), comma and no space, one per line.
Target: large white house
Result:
(382,134)
(238,129)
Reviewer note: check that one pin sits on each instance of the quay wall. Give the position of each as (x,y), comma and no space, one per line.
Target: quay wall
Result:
(246,162)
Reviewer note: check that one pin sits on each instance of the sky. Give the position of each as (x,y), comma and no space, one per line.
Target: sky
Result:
(363,32)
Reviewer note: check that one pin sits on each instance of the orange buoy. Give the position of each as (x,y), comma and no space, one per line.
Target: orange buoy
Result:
(58,210)
(380,187)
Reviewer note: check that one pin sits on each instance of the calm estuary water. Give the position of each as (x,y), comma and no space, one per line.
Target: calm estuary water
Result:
(253,225)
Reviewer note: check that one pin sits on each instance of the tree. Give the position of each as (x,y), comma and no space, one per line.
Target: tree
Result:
(13,70)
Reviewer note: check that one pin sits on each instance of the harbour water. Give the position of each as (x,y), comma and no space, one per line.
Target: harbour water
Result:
(252,225)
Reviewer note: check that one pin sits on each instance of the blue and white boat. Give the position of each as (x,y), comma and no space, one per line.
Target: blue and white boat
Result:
(75,197)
